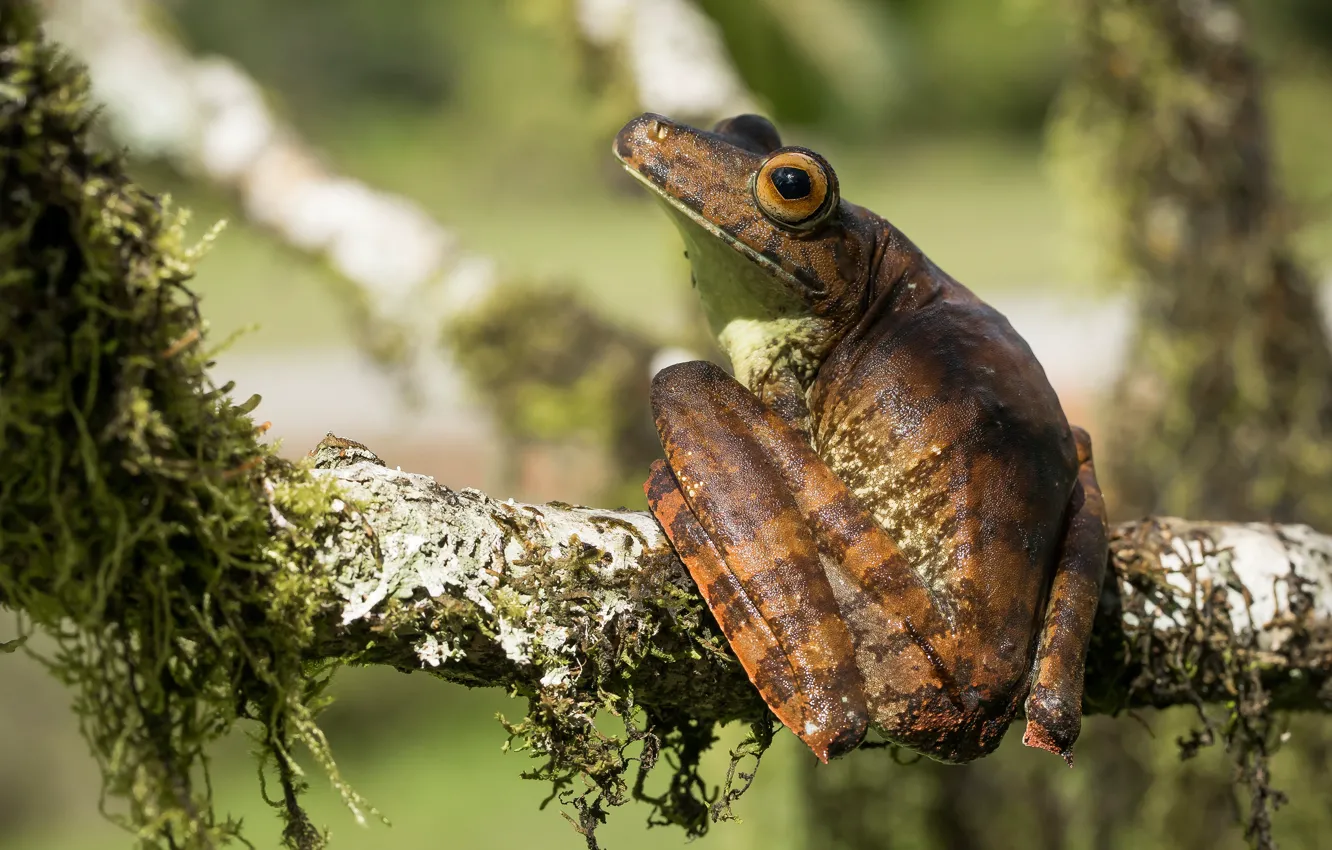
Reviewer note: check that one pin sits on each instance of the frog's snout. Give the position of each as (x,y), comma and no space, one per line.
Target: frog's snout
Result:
(641,135)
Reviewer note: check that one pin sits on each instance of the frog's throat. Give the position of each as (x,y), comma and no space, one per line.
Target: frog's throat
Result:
(758,311)
(680,210)
(764,325)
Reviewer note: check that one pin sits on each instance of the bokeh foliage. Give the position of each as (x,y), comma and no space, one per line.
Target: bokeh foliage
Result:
(551,368)
(955,66)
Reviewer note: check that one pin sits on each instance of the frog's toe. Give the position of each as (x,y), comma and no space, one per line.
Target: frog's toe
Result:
(946,725)
(833,736)
(1052,724)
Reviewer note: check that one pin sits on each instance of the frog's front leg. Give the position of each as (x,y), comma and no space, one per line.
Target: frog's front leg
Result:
(1054,704)
(762,523)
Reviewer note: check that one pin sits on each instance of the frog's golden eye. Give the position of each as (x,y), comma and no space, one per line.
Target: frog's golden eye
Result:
(796,188)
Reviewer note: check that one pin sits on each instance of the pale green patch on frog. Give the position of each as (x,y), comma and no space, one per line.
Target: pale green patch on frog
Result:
(753,306)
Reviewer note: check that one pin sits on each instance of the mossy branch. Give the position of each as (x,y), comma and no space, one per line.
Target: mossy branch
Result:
(584,610)
(533,596)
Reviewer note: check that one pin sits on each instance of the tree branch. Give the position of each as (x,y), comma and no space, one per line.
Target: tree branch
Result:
(501,593)
(674,55)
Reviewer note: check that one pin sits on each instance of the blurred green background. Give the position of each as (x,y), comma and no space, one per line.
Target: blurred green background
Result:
(493,117)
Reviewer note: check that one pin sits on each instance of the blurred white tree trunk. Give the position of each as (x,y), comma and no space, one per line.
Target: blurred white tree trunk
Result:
(673,52)
(411,274)
(210,119)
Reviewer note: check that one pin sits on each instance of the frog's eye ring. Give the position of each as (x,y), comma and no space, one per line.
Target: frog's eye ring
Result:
(795,188)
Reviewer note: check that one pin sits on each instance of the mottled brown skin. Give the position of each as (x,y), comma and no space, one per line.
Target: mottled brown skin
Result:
(891,519)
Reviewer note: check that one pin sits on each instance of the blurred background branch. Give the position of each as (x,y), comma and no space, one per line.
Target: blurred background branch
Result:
(1224,405)
(419,302)
(206,116)
(673,53)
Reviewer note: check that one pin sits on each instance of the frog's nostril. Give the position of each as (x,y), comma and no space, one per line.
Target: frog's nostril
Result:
(639,135)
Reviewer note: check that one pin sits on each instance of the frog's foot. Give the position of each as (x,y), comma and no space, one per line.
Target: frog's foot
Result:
(767,530)
(1054,704)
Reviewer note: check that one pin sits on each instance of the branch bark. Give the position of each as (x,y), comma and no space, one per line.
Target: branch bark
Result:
(486,592)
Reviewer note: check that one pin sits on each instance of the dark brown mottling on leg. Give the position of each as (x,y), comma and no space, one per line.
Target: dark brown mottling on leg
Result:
(745,511)
(1054,704)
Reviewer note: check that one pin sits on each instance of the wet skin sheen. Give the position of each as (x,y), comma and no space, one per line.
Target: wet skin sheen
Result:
(885,509)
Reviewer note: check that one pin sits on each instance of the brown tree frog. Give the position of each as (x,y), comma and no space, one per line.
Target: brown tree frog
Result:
(885,508)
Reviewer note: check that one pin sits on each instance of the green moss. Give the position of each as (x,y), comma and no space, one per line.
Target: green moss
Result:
(515,350)
(171,555)
(183,568)
(596,745)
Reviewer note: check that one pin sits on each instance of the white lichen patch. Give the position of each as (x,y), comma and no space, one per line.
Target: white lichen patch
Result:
(555,677)
(420,550)
(364,598)
(1257,564)
(552,637)
(514,640)
(435,543)
(434,651)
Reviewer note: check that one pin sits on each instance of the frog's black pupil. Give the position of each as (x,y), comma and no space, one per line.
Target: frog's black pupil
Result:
(791,183)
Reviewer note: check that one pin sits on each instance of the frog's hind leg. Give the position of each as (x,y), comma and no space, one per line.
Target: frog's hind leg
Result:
(1054,704)
(736,525)
(832,586)
(750,636)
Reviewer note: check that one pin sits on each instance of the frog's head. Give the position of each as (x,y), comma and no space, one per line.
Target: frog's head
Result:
(783,264)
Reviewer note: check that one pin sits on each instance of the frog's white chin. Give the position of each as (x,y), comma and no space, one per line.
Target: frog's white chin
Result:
(683,215)
(754,307)
(759,320)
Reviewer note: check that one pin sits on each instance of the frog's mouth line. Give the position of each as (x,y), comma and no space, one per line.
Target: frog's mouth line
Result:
(768,264)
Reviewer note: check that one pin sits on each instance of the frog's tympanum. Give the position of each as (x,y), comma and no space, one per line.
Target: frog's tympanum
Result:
(885,509)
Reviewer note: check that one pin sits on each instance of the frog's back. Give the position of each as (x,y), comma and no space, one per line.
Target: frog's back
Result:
(937,415)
